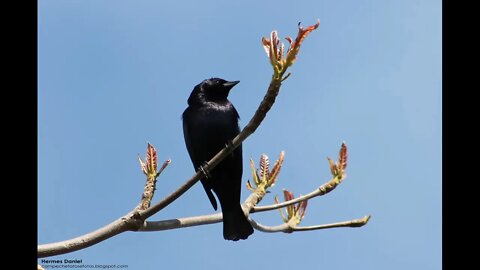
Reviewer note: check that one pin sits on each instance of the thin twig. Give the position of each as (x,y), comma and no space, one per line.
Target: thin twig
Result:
(285,227)
(320,191)
(135,219)
(355,223)
(249,206)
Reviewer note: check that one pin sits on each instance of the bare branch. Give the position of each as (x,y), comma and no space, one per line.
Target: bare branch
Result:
(320,191)
(355,223)
(287,228)
(135,219)
(152,226)
(149,226)
(249,205)
(120,225)
(270,229)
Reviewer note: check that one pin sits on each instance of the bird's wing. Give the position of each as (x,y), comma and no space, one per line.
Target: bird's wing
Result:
(191,151)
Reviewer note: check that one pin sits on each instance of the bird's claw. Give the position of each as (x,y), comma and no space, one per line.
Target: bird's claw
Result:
(203,170)
(229,145)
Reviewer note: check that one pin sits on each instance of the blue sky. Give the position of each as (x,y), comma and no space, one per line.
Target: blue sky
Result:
(113,75)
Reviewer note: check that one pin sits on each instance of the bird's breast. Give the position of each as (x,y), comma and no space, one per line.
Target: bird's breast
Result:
(219,123)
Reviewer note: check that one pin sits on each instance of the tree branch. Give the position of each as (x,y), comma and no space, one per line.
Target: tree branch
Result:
(170,224)
(150,226)
(135,220)
(320,191)
(120,225)
(132,223)
(287,228)
(250,205)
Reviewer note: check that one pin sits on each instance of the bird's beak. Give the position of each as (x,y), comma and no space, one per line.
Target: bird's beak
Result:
(230,85)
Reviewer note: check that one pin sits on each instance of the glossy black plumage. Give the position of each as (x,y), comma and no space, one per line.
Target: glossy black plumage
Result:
(209,123)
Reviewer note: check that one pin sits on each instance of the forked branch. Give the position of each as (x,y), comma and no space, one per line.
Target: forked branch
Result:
(263,179)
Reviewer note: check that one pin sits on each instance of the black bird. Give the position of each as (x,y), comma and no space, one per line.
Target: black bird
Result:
(210,122)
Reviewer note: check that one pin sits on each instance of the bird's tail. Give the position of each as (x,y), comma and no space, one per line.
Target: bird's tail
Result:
(235,224)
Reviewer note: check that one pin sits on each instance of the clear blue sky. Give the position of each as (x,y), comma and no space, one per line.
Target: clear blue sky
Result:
(113,75)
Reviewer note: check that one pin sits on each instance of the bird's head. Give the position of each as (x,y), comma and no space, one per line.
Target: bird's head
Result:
(212,90)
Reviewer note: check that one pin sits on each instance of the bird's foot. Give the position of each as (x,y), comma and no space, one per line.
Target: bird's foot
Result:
(205,171)
(229,145)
